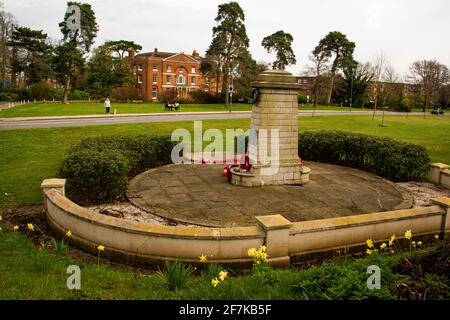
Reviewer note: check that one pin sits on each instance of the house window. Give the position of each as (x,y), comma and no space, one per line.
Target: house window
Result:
(154,93)
(154,79)
(192,70)
(180,79)
(139,78)
(168,79)
(168,69)
(139,67)
(192,80)
(155,67)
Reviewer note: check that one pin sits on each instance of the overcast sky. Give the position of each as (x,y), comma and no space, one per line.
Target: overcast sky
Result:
(404,30)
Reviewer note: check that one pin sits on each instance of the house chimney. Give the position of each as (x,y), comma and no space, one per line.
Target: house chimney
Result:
(195,54)
(131,55)
(156,49)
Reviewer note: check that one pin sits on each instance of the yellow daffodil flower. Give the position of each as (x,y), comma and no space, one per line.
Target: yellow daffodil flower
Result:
(369,243)
(30,226)
(263,248)
(369,252)
(215,282)
(101,248)
(68,233)
(436,236)
(391,242)
(419,243)
(252,252)
(202,258)
(383,246)
(392,251)
(223,275)
(408,234)
(16,227)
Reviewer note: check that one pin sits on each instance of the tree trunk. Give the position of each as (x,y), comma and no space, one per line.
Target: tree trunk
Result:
(330,92)
(66,90)
(376,101)
(225,84)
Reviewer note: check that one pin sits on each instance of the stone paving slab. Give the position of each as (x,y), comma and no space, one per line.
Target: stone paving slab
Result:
(199,194)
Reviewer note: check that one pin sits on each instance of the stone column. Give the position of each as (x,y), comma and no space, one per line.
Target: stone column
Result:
(445,203)
(435,172)
(275,108)
(277,238)
(55,183)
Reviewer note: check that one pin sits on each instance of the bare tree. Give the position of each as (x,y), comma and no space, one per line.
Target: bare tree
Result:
(431,76)
(7,23)
(390,79)
(318,69)
(379,65)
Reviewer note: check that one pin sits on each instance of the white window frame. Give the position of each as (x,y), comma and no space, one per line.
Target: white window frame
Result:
(155,67)
(155,79)
(168,79)
(139,78)
(193,70)
(182,77)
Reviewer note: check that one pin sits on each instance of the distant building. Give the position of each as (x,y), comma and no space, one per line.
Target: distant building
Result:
(306,85)
(158,72)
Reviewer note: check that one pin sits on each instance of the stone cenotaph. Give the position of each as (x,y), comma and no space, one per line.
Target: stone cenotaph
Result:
(274,115)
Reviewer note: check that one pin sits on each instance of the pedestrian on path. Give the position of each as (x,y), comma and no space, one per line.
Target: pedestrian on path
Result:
(107,105)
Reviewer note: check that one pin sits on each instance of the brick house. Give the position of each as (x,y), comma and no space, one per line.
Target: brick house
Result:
(158,72)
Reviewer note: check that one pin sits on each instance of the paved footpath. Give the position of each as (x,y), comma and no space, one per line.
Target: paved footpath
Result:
(92,120)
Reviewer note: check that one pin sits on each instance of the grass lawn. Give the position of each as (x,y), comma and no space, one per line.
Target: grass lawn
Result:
(30,155)
(58,109)
(27,272)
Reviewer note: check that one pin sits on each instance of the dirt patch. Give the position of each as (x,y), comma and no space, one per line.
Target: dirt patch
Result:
(128,211)
(422,192)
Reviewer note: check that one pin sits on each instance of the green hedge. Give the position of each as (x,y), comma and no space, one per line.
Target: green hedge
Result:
(388,158)
(97,169)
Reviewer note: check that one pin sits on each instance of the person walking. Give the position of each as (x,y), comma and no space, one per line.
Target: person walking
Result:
(107,105)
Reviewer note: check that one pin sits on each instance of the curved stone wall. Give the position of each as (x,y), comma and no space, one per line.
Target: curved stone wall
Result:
(142,243)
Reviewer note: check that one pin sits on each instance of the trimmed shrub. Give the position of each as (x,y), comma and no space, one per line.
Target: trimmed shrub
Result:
(95,176)
(386,157)
(97,169)
(41,90)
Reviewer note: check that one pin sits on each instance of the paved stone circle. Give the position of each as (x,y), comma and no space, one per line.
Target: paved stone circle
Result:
(199,194)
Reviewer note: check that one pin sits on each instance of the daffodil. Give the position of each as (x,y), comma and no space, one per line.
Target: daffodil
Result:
(223,275)
(252,252)
(30,226)
(392,251)
(68,233)
(215,282)
(16,227)
(436,236)
(408,234)
(413,244)
(391,242)
(419,243)
(369,251)
(369,243)
(383,246)
(263,248)
(202,258)
(101,248)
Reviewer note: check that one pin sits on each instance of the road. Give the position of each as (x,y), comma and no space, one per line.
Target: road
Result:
(75,121)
